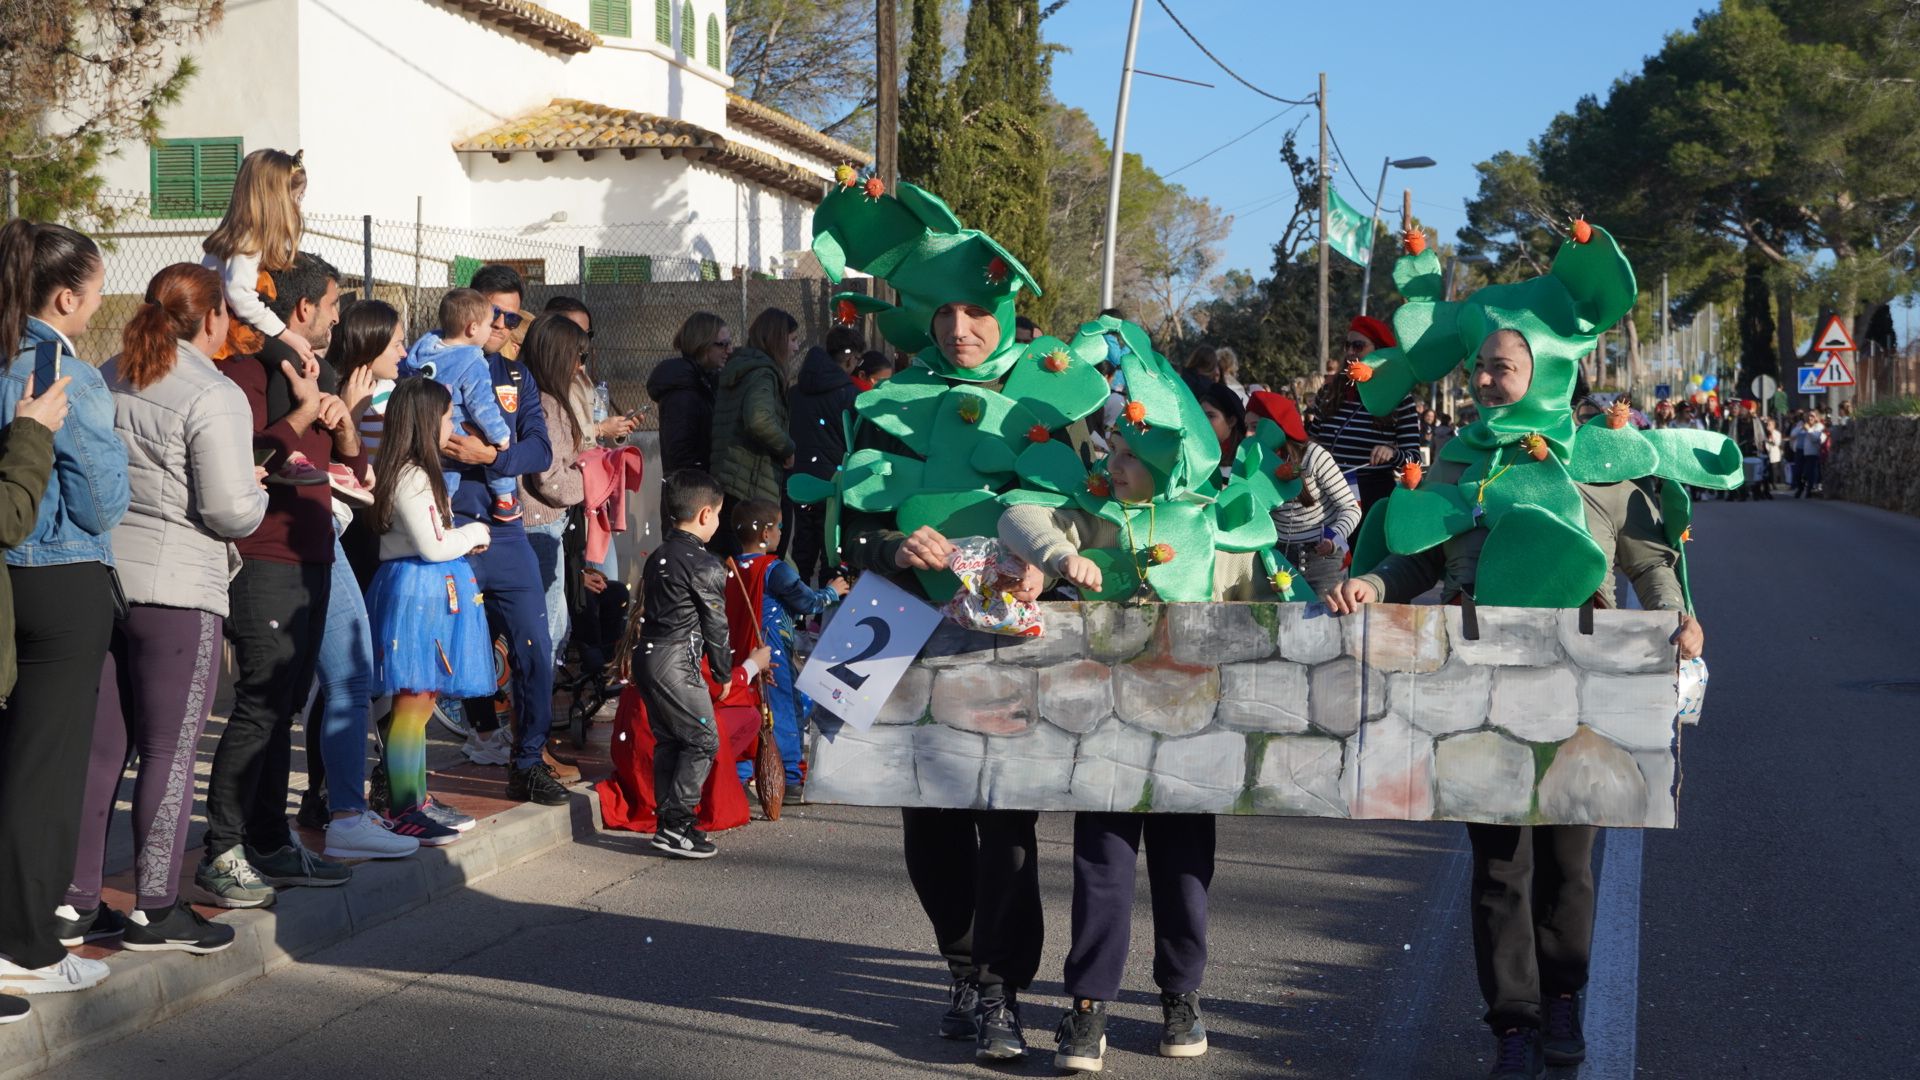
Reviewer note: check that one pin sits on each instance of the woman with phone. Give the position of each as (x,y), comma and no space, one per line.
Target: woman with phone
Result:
(195,486)
(555,352)
(64,597)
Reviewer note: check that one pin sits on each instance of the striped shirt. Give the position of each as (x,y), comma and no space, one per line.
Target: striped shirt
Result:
(1334,506)
(374,421)
(1350,434)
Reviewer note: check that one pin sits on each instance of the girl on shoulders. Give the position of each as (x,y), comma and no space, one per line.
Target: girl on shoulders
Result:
(260,234)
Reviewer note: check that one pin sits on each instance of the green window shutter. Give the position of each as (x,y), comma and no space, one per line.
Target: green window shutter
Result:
(713,41)
(460,273)
(663,21)
(614,18)
(688,20)
(193,177)
(709,270)
(619,270)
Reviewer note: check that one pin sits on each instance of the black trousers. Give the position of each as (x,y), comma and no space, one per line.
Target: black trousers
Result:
(977,874)
(63,623)
(1532,916)
(278,612)
(685,740)
(810,555)
(1106,850)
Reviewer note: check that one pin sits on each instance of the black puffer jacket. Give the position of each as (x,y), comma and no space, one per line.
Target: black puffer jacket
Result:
(821,398)
(683,394)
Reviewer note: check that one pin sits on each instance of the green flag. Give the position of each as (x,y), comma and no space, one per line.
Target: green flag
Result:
(1349,231)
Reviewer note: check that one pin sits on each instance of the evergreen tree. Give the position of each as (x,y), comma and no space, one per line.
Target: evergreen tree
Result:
(925,108)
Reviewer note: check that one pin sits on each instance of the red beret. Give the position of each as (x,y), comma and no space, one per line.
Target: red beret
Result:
(1281,410)
(1374,330)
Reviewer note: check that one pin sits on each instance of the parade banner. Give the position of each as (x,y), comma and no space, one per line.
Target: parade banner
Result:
(1416,713)
(1349,232)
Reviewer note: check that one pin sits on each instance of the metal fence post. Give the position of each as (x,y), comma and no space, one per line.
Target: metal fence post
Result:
(583,273)
(413,304)
(366,256)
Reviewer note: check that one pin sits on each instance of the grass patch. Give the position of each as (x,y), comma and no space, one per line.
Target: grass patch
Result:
(1893,406)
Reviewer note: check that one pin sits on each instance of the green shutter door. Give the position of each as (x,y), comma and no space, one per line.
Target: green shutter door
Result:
(614,18)
(219,168)
(176,187)
(663,21)
(713,41)
(688,21)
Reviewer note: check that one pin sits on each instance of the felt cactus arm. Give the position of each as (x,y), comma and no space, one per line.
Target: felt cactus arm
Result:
(1418,277)
(1056,383)
(904,407)
(1603,454)
(1702,459)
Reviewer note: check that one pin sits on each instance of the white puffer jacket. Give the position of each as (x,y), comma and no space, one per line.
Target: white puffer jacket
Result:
(189,443)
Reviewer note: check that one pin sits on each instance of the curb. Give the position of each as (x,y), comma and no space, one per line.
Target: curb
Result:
(146,988)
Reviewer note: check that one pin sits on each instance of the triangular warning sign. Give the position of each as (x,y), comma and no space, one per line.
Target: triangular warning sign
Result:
(1834,371)
(1835,338)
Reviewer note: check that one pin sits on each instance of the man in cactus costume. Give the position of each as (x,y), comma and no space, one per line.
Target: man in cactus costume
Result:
(1526,509)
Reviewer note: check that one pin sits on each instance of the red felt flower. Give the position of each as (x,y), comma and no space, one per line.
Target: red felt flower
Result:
(1097,486)
(1414,241)
(845,313)
(1536,447)
(1161,554)
(1410,474)
(1582,232)
(997,270)
(1136,412)
(1038,433)
(874,188)
(1055,361)
(1285,472)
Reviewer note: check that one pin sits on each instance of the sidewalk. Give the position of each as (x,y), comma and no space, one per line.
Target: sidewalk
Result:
(145,988)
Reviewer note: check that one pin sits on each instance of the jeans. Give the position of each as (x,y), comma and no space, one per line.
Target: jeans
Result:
(345,670)
(1806,474)
(548,551)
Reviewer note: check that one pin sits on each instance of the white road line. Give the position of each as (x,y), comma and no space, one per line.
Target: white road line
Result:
(1613,981)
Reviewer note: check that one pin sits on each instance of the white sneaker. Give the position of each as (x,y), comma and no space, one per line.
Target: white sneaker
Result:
(488,749)
(367,836)
(71,973)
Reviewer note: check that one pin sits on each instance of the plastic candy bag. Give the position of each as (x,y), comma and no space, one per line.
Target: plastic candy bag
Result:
(985,601)
(1693,689)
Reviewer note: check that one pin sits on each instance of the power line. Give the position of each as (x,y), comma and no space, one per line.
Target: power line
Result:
(1222,64)
(1350,173)
(1229,142)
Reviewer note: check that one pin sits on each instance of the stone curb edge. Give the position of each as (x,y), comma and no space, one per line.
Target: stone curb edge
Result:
(146,988)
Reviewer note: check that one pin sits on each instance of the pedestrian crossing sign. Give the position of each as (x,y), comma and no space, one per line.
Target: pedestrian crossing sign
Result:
(1810,379)
(1834,371)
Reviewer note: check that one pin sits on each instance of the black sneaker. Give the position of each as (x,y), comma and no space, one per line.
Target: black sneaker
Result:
(999,1038)
(1563,1043)
(1082,1037)
(691,844)
(97,923)
(313,809)
(959,1021)
(535,785)
(175,929)
(1516,1055)
(14,1008)
(1182,1034)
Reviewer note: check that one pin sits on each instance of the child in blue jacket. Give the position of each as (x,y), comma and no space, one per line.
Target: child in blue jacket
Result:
(453,357)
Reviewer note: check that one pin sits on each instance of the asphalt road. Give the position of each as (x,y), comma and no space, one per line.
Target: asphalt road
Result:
(1769,936)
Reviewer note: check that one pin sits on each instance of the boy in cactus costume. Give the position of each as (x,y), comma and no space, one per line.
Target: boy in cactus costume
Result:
(1525,508)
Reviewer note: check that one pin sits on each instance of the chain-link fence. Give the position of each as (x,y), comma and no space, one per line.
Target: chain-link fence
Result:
(640,280)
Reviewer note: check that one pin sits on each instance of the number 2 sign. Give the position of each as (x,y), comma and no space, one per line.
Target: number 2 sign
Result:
(874,637)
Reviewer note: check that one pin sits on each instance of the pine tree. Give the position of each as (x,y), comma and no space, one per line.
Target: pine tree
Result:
(926,116)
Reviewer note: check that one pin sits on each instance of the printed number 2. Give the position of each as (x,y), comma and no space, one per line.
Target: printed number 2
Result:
(844,669)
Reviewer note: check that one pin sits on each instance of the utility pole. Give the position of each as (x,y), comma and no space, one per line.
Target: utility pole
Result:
(1116,166)
(1320,99)
(886,120)
(1666,341)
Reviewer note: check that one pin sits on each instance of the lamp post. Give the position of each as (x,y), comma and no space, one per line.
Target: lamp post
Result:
(1366,276)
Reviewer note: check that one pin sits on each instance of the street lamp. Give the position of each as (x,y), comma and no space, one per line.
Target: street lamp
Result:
(1366,277)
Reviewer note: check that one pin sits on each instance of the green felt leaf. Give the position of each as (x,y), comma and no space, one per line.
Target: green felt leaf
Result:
(955,514)
(1370,540)
(1702,459)
(1676,515)
(1392,381)
(876,482)
(904,406)
(1533,558)
(992,458)
(1256,466)
(806,490)
(1422,518)
(1189,528)
(1429,338)
(1056,398)
(1417,277)
(1542,484)
(1051,466)
(1119,580)
(1242,520)
(956,460)
(1603,454)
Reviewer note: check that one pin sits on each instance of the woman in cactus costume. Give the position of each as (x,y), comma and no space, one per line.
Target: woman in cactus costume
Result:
(1524,508)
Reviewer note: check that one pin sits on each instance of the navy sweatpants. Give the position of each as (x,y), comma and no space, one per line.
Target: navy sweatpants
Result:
(1106,850)
(516,606)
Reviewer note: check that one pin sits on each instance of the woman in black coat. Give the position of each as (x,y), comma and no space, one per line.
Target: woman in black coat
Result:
(682,390)
(821,396)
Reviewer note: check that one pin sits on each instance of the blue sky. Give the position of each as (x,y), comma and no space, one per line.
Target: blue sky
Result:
(1456,82)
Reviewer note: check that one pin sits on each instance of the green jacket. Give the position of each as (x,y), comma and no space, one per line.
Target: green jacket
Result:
(26,461)
(750,437)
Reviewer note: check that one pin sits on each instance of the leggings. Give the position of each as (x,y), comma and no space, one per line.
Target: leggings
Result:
(156,689)
(406,748)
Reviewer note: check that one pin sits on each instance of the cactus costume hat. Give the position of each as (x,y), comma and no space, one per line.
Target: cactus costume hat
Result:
(1523,460)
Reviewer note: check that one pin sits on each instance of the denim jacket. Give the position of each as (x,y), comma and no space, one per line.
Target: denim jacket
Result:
(87,494)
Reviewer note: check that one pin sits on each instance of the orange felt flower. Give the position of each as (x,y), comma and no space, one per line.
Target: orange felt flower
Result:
(1055,361)
(845,176)
(1410,474)
(1136,412)
(874,188)
(1686,535)
(1582,232)
(1160,554)
(1414,241)
(845,313)
(1359,371)
(1618,415)
(1038,433)
(1536,447)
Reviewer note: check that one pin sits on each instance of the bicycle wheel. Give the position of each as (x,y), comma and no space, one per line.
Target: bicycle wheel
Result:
(452,716)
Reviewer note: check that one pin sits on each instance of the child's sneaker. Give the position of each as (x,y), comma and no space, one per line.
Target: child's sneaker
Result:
(446,815)
(348,486)
(506,508)
(488,748)
(299,472)
(691,844)
(415,823)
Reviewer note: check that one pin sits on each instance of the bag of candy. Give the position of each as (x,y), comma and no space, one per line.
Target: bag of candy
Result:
(988,575)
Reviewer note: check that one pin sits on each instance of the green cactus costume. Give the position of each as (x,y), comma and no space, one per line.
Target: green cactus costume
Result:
(974,433)
(1523,460)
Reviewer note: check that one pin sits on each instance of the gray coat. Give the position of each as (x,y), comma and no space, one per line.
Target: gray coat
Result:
(189,443)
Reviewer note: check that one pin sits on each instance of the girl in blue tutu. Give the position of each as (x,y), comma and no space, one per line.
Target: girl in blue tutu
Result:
(429,632)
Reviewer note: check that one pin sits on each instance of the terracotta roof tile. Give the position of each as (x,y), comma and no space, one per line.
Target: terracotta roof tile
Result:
(528,20)
(781,128)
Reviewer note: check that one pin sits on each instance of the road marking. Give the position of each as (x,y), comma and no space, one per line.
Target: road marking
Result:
(1395,1047)
(1613,979)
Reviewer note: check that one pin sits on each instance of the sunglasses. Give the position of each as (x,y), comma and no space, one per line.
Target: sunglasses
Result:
(720,345)
(1356,344)
(513,319)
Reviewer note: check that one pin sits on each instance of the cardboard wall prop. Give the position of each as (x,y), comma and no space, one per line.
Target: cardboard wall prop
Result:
(1230,708)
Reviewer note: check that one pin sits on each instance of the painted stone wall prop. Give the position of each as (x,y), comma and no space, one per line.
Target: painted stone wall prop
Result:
(1282,709)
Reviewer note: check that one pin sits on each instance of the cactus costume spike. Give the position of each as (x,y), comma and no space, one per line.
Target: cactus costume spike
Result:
(974,433)
(1523,460)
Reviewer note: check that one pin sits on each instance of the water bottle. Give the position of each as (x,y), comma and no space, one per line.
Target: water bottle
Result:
(602,403)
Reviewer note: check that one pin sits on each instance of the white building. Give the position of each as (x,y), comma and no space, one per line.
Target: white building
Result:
(570,123)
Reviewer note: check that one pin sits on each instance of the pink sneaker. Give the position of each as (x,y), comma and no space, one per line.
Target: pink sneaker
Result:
(299,472)
(348,486)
